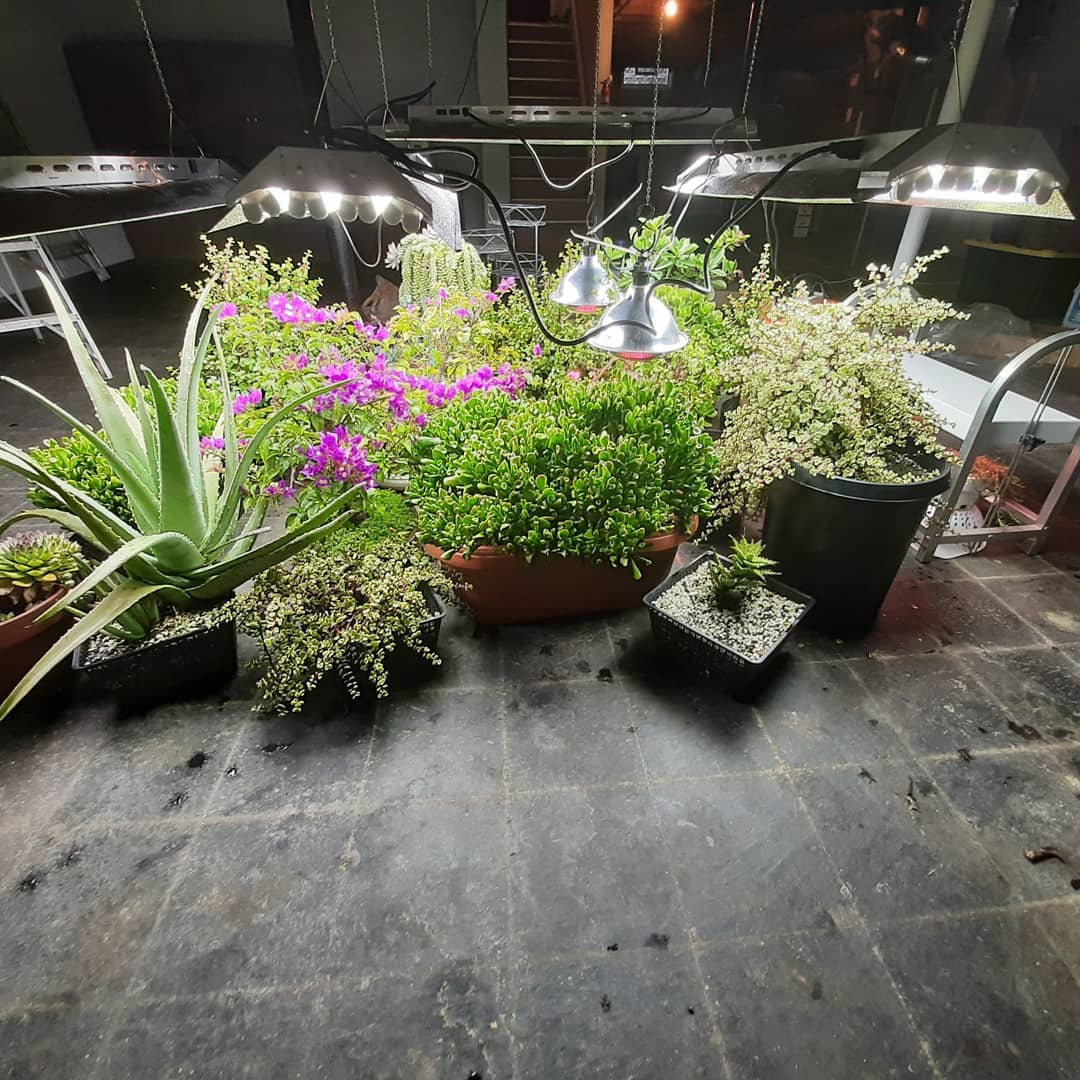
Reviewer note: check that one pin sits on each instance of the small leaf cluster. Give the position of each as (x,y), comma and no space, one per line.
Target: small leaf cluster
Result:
(352,600)
(589,471)
(34,565)
(745,569)
(429,264)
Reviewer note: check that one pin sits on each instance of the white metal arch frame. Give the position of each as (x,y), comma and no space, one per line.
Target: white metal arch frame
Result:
(987,430)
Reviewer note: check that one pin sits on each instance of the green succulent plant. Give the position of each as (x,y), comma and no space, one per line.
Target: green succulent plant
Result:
(193,539)
(746,568)
(428,264)
(33,566)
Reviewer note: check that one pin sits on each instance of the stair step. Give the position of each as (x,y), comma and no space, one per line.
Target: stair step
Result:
(539,31)
(542,90)
(548,99)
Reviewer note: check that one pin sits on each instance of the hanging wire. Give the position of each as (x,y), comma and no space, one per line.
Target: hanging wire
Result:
(655,109)
(382,62)
(962,10)
(708,47)
(164,87)
(753,60)
(378,245)
(590,205)
(430,59)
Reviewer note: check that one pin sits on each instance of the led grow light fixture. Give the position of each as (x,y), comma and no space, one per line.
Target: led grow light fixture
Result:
(587,287)
(985,168)
(646,326)
(307,182)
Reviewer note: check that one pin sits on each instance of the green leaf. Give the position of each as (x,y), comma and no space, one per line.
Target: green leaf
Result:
(149,433)
(181,500)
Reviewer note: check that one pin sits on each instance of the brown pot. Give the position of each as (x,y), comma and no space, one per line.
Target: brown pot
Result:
(507,589)
(23,642)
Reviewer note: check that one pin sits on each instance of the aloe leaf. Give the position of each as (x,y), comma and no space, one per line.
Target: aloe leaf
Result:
(130,473)
(181,501)
(116,418)
(188,383)
(97,619)
(149,434)
(235,572)
(252,527)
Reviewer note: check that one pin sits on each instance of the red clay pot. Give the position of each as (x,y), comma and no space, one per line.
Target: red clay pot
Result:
(507,589)
(23,642)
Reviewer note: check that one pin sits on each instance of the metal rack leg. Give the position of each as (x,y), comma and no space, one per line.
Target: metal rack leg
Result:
(1055,499)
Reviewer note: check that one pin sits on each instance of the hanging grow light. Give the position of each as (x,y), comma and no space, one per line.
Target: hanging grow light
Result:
(307,182)
(646,326)
(587,287)
(986,168)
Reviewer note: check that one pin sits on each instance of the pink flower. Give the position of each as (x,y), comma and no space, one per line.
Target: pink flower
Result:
(443,294)
(575,375)
(490,297)
(243,402)
(208,444)
(462,312)
(228,311)
(538,349)
(506,284)
(280,490)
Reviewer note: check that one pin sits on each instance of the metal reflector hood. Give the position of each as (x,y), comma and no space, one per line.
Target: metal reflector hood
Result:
(312,182)
(987,168)
(47,194)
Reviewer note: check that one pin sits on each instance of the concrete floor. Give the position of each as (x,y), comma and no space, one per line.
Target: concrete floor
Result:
(560,858)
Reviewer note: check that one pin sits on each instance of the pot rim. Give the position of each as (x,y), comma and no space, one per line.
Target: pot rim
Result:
(23,627)
(655,542)
(876,491)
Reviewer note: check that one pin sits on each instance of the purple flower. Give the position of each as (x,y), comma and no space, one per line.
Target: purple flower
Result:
(339,457)
(279,490)
(208,443)
(506,284)
(538,349)
(443,294)
(243,402)
(290,308)
(421,420)
(490,297)
(462,312)
(574,375)
(228,311)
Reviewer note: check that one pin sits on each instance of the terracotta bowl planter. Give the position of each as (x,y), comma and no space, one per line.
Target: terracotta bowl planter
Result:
(23,642)
(507,589)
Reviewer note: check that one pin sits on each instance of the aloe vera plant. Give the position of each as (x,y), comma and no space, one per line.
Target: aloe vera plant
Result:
(193,541)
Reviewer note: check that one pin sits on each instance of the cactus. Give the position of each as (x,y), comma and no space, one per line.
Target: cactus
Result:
(746,568)
(33,565)
(428,265)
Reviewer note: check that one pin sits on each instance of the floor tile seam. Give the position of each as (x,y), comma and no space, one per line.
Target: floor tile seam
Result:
(509,991)
(113,1022)
(860,919)
(716,1035)
(957,649)
(1016,614)
(1005,870)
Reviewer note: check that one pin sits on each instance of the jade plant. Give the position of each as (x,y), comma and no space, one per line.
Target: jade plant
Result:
(428,264)
(823,387)
(193,539)
(34,566)
(589,471)
(747,568)
(355,598)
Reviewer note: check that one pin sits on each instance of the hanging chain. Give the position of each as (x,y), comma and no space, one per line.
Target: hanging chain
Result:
(753,61)
(655,109)
(329,67)
(430,61)
(595,118)
(708,48)
(382,60)
(161,80)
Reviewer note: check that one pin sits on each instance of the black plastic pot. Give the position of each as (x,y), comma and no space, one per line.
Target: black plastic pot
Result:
(707,659)
(172,669)
(842,541)
(406,666)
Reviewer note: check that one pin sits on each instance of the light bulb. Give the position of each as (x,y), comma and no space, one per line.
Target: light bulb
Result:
(671,8)
(298,205)
(366,211)
(393,214)
(411,219)
(331,200)
(252,211)
(381,202)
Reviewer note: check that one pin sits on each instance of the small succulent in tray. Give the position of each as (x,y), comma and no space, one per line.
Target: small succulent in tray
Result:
(747,568)
(33,566)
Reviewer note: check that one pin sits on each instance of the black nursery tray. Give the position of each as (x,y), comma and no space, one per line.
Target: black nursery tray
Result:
(170,669)
(706,657)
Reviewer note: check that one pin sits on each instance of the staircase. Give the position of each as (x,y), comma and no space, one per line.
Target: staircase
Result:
(542,69)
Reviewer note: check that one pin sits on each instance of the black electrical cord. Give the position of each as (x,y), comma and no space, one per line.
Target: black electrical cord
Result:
(404,99)
(472,54)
